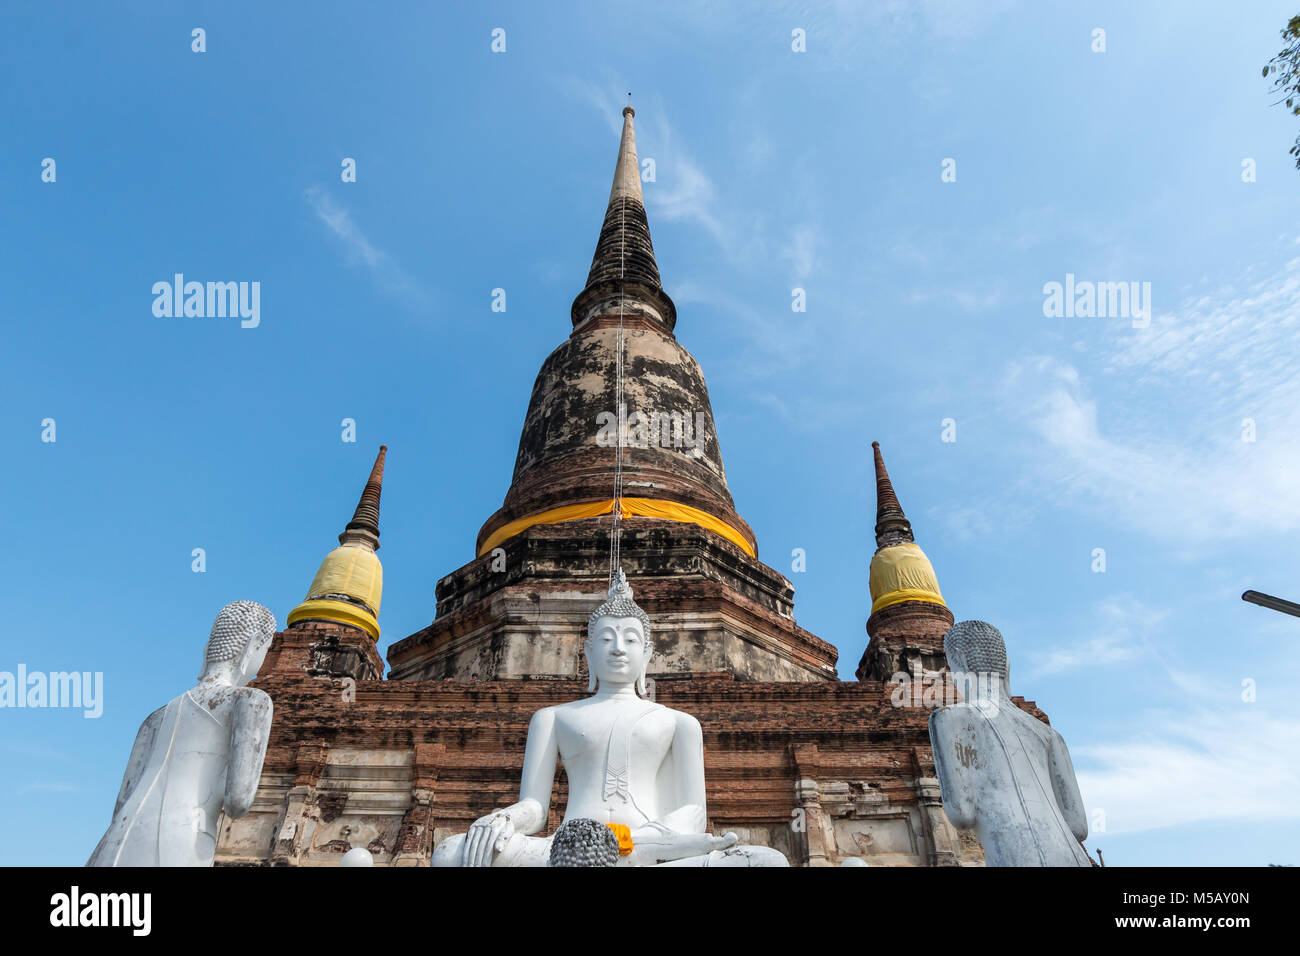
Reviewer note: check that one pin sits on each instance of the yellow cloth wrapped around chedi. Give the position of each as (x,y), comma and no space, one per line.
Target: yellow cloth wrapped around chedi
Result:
(348,587)
(902,572)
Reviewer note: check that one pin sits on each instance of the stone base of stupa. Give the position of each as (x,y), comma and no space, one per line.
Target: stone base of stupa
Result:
(524,614)
(821,771)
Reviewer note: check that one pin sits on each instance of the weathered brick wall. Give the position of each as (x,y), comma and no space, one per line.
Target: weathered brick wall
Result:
(820,771)
(715,608)
(323,649)
(905,638)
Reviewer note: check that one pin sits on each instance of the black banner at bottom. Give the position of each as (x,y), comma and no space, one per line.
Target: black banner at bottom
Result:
(295,907)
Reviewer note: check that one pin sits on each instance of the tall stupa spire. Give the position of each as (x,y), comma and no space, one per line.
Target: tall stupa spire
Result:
(624,275)
(627,171)
(892,526)
(619,420)
(662,428)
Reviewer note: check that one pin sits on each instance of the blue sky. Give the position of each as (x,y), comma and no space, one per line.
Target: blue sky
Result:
(774,170)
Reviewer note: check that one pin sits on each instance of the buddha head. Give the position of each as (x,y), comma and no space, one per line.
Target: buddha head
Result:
(583,843)
(977,656)
(239,640)
(618,645)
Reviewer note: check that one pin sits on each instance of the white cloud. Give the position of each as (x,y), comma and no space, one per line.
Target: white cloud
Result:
(772,343)
(967,299)
(1124,630)
(47,787)
(387,274)
(605,98)
(801,250)
(1155,441)
(1236,345)
(683,192)
(841,34)
(1210,756)
(1096,652)
(1232,762)
(964,524)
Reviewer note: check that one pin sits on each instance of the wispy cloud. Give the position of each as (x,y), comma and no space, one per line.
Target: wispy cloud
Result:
(37,786)
(606,98)
(1236,346)
(1235,761)
(388,276)
(682,190)
(964,524)
(1124,629)
(772,342)
(801,251)
(1155,438)
(966,299)
(1213,753)
(845,32)
(1172,485)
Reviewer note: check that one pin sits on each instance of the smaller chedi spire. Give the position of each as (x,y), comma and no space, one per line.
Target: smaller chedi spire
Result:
(348,587)
(892,526)
(900,571)
(364,526)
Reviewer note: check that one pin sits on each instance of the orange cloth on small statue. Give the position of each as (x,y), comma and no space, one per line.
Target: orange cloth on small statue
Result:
(624,835)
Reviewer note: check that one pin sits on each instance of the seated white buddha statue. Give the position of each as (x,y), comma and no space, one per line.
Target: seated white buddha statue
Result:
(632,764)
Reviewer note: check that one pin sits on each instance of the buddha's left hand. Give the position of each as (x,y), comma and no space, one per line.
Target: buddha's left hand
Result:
(487,837)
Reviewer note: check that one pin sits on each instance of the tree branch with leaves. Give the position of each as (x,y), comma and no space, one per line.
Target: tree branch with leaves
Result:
(1285,70)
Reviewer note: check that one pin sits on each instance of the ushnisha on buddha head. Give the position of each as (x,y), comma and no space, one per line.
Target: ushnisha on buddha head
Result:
(240,637)
(618,645)
(977,656)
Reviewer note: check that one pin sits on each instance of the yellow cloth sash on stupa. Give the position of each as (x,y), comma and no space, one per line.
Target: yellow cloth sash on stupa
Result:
(351,570)
(902,572)
(632,507)
(906,594)
(340,611)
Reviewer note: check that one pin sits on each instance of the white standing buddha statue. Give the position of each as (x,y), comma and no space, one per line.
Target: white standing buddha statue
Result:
(1001,772)
(198,755)
(632,764)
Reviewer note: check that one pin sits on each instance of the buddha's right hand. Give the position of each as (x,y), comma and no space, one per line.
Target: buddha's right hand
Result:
(726,841)
(487,837)
(656,843)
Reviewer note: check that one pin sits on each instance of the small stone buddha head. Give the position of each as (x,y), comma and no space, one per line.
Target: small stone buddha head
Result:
(977,656)
(618,645)
(583,843)
(239,640)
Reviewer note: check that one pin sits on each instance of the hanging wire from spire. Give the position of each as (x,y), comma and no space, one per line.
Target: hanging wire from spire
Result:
(616,528)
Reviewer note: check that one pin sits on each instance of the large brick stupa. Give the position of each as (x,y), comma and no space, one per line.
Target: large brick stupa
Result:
(619,427)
